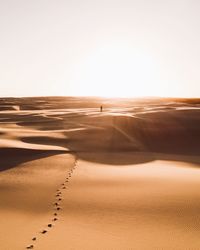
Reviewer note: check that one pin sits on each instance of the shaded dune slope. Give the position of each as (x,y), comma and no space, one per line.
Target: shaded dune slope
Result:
(155,132)
(11,157)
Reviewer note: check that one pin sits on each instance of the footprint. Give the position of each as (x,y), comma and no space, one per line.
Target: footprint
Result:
(54,219)
(44,231)
(34,238)
(55,214)
(59,199)
(30,247)
(58,208)
(49,225)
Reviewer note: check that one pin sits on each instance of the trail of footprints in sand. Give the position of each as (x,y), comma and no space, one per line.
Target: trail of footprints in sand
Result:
(56,206)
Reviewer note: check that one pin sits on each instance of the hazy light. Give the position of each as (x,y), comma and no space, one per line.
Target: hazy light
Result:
(107,47)
(117,70)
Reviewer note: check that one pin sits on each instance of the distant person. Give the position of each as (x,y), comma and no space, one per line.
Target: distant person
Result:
(101,108)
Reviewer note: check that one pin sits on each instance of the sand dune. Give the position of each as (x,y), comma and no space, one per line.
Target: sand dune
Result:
(72,177)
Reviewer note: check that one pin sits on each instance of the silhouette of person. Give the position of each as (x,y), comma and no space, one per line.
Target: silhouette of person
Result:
(101,108)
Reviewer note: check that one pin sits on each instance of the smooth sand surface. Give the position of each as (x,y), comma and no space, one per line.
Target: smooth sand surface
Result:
(73,177)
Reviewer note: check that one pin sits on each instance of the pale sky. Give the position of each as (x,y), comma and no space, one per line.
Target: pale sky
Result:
(105,47)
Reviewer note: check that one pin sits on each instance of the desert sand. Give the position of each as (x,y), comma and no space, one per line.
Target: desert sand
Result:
(72,177)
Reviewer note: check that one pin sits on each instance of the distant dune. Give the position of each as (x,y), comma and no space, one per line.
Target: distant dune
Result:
(73,177)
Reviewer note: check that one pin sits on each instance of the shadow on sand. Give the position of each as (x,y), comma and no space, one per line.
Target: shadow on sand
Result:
(122,140)
(11,157)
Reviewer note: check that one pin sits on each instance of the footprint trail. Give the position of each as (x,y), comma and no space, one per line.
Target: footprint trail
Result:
(56,207)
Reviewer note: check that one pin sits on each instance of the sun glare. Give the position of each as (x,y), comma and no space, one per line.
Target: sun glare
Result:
(116,71)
